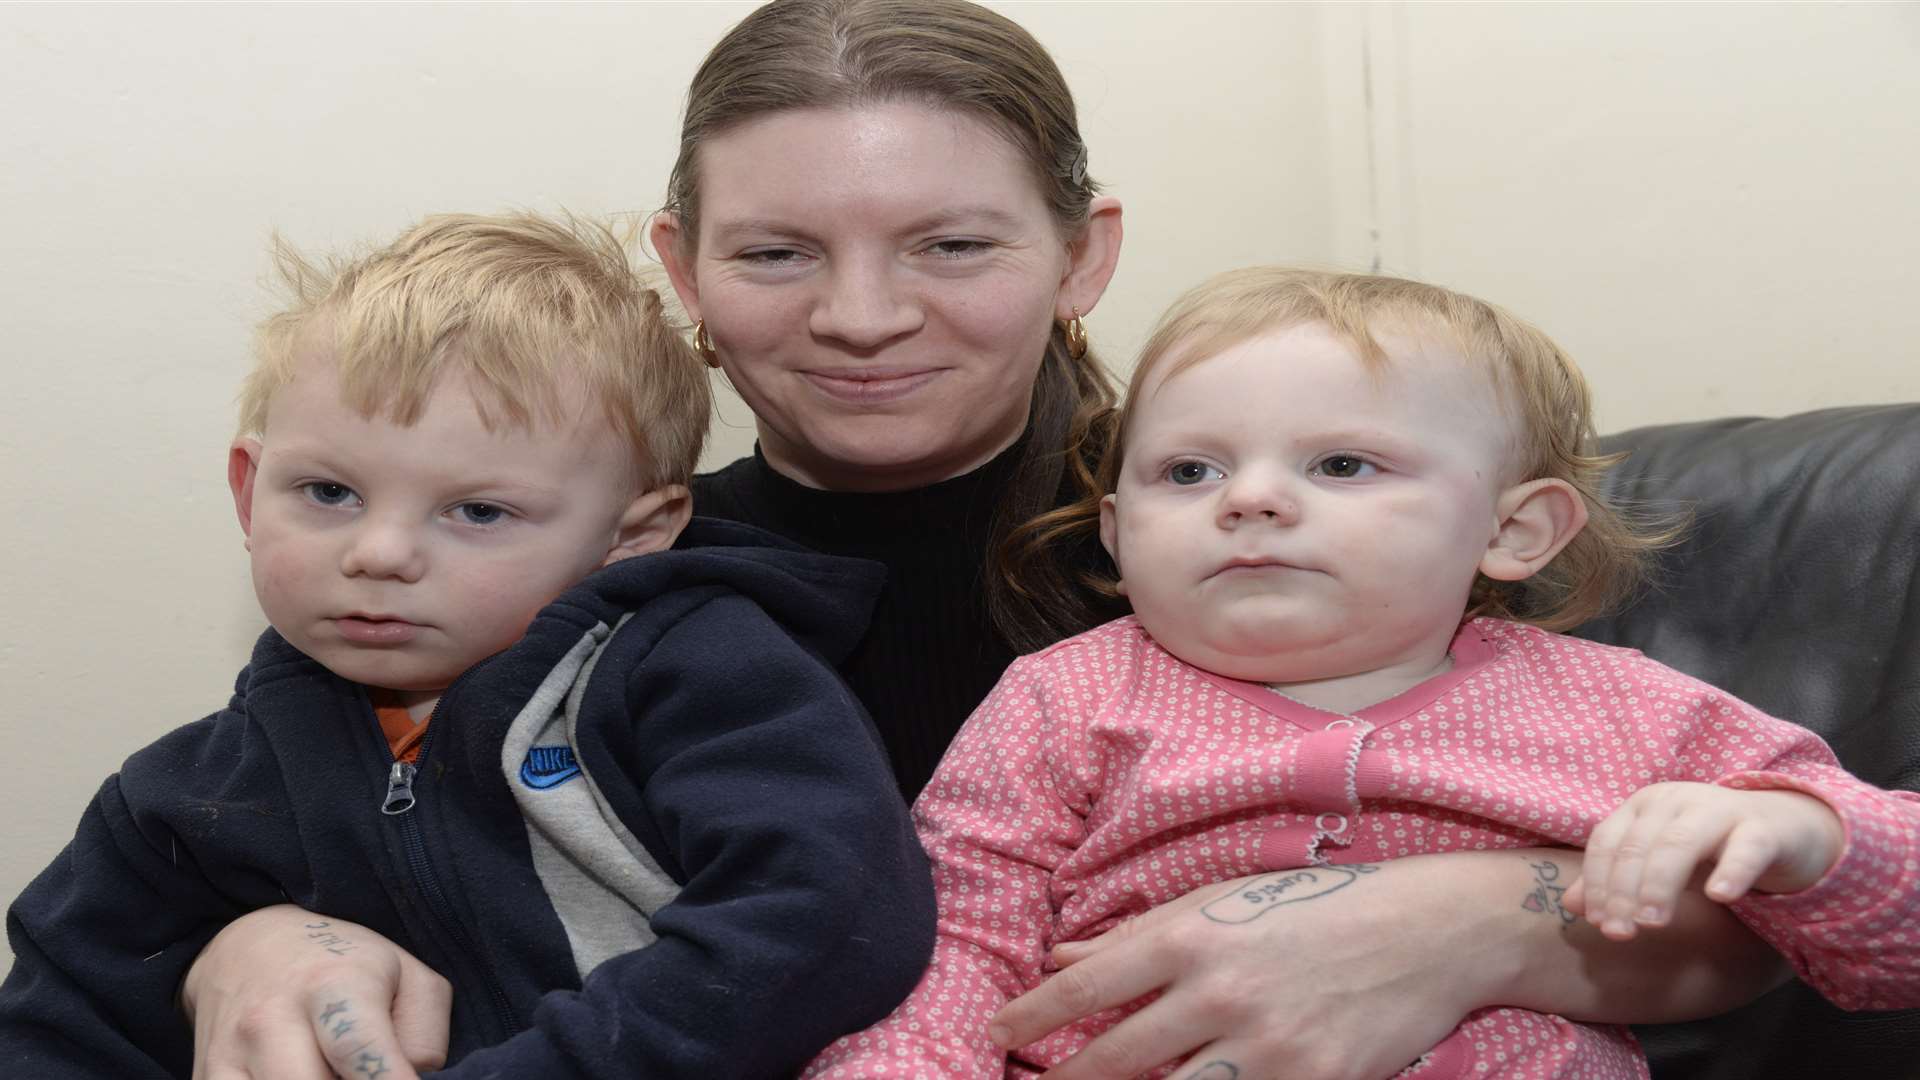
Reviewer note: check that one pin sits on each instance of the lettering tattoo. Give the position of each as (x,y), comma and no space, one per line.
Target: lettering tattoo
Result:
(1216,1070)
(1545,896)
(1262,895)
(318,933)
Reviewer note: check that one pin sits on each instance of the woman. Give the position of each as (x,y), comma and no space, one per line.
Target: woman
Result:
(882,222)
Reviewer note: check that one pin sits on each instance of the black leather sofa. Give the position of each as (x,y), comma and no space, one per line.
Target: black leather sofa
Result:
(1798,589)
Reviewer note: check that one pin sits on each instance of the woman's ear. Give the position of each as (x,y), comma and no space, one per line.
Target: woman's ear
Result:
(677,256)
(1091,259)
(243,464)
(651,522)
(1533,521)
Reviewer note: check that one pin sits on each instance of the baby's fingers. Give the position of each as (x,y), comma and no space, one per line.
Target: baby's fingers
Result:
(1749,852)
(1611,863)
(1672,854)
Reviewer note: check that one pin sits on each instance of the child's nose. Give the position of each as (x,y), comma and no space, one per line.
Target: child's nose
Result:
(384,550)
(1259,497)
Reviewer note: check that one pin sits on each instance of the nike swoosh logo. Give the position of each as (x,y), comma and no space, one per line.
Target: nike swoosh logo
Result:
(556,767)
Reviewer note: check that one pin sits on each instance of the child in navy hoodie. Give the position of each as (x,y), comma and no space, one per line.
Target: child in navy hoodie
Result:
(587,758)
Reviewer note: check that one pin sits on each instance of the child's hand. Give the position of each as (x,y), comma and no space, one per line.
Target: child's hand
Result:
(1644,853)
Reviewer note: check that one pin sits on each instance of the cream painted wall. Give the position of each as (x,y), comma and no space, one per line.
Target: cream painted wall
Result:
(146,152)
(1710,203)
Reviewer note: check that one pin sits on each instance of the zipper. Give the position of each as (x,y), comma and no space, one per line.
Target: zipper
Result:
(399,800)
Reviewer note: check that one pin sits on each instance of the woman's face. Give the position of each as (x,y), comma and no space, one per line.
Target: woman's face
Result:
(879,283)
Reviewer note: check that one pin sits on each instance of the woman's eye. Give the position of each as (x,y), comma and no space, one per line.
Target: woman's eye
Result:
(956,249)
(328,493)
(772,257)
(1192,472)
(1343,466)
(479,513)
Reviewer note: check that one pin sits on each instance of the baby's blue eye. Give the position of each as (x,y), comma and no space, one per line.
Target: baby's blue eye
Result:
(1192,472)
(328,493)
(1343,466)
(479,513)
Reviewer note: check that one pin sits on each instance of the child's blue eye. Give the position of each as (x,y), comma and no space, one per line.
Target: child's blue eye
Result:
(479,513)
(1343,466)
(328,493)
(1192,472)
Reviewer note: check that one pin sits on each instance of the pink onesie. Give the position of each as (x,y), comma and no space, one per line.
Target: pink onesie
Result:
(1104,777)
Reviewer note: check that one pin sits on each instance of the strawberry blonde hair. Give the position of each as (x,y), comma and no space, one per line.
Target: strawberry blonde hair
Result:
(522,304)
(1537,384)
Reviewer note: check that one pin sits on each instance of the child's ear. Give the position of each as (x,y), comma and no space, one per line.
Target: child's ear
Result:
(669,242)
(1110,537)
(1533,521)
(651,522)
(243,464)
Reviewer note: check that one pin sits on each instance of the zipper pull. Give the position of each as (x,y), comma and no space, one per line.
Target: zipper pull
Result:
(399,790)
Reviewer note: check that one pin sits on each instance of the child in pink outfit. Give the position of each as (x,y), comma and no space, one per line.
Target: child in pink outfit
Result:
(1349,513)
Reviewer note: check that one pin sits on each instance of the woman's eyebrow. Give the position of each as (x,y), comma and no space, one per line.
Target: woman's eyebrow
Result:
(735,229)
(948,217)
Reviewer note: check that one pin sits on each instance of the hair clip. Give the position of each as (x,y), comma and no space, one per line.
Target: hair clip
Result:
(1079,170)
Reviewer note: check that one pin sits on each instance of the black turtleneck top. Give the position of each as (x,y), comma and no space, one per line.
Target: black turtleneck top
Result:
(931,652)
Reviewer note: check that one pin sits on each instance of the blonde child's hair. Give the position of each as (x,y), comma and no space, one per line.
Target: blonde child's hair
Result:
(519,303)
(1535,379)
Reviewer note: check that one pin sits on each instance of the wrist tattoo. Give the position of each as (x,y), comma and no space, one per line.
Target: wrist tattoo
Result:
(318,933)
(1546,893)
(1216,1070)
(1261,895)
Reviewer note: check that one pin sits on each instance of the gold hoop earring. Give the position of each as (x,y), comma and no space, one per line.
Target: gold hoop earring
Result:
(1076,331)
(703,344)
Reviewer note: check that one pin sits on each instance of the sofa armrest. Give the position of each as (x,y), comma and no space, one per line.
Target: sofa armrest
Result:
(1797,588)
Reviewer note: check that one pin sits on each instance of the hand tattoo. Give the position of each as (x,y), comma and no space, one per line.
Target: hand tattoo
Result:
(1545,897)
(370,1065)
(1262,895)
(318,933)
(332,1010)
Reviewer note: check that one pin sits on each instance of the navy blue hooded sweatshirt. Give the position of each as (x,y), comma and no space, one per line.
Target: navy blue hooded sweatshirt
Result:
(729,863)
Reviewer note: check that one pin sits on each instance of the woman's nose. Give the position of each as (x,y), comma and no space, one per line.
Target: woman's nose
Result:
(865,306)
(384,549)
(1258,497)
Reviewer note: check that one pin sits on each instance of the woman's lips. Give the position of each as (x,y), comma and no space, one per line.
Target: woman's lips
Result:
(871,387)
(362,630)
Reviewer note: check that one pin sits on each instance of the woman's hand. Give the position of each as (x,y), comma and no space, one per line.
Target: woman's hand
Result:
(1286,973)
(282,994)
(1290,973)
